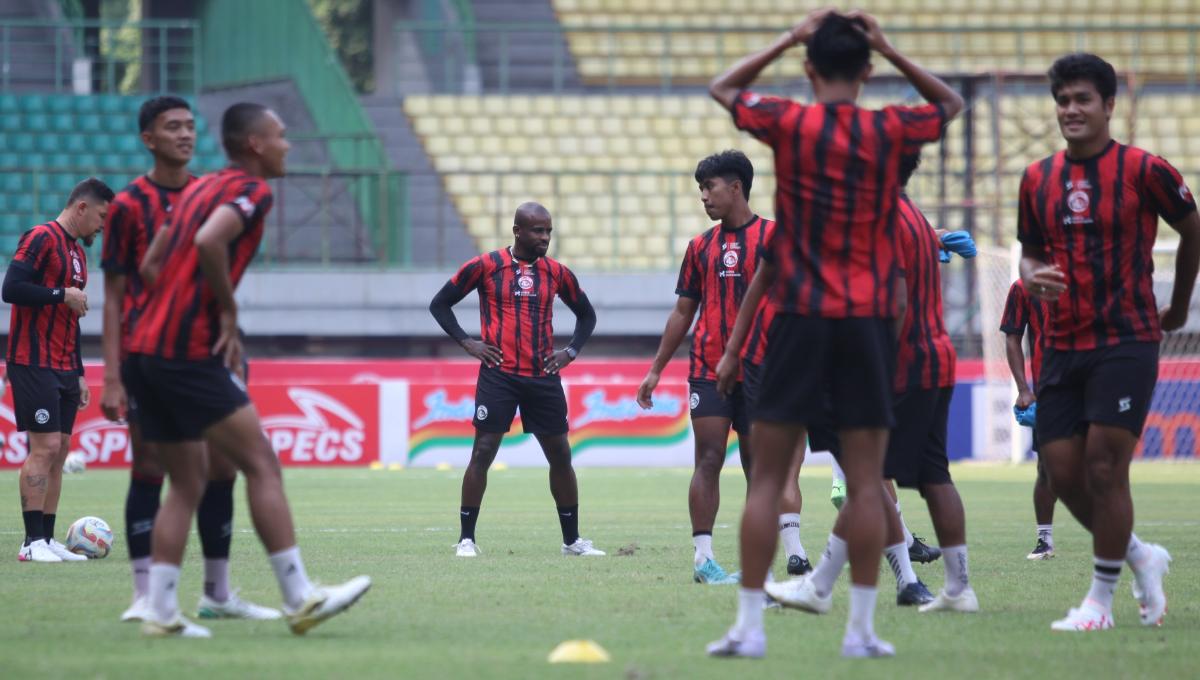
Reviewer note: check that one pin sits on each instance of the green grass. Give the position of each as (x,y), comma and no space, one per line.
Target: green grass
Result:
(432,615)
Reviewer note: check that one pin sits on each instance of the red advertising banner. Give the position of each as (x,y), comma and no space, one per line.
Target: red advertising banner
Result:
(306,425)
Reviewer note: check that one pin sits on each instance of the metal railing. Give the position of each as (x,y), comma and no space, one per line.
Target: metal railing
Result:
(551,57)
(92,56)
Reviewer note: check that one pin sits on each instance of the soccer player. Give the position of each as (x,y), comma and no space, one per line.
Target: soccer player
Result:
(1087,220)
(923,385)
(716,271)
(519,367)
(44,284)
(138,213)
(1024,312)
(184,357)
(833,262)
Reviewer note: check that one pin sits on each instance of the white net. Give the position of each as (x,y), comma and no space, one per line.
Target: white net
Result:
(997,435)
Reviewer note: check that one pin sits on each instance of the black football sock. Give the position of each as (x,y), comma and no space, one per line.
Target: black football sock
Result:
(141,505)
(48,525)
(467,517)
(34,525)
(214,519)
(568,519)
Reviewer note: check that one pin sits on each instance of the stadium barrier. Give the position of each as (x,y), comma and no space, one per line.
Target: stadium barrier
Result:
(418,413)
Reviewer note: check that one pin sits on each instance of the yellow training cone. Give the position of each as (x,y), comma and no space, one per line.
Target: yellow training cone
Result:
(376,465)
(443,467)
(579,651)
(501,467)
(395,467)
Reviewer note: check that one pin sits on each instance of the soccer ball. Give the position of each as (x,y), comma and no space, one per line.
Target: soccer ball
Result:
(74,463)
(90,536)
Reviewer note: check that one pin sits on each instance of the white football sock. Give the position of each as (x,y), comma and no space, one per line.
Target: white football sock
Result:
(293,580)
(897,557)
(908,537)
(216,578)
(1045,532)
(862,612)
(750,610)
(164,591)
(954,561)
(1136,553)
(827,572)
(789,534)
(141,576)
(838,474)
(1105,575)
(703,545)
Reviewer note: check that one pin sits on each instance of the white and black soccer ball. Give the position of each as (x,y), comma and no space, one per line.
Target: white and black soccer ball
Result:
(75,463)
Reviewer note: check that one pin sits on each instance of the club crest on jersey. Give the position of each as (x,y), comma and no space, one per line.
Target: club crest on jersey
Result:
(730,259)
(525,282)
(42,416)
(1078,201)
(246,205)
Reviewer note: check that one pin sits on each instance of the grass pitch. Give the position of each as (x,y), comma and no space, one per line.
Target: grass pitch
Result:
(430,615)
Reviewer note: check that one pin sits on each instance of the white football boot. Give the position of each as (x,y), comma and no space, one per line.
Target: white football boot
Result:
(138,611)
(1148,586)
(37,551)
(1089,616)
(582,547)
(326,602)
(800,593)
(235,608)
(466,548)
(62,552)
(176,627)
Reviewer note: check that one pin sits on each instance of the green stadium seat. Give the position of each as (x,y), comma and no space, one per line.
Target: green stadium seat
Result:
(85,162)
(4,140)
(33,103)
(10,159)
(34,161)
(75,143)
(49,143)
(61,103)
(60,182)
(207,145)
(11,224)
(99,143)
(119,125)
(22,203)
(37,122)
(13,183)
(62,122)
(89,122)
(85,104)
(24,143)
(11,122)
(8,102)
(60,161)
(127,144)
(111,104)
(136,161)
(52,203)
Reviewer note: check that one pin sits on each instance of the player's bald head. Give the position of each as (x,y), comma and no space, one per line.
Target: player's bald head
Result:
(531,213)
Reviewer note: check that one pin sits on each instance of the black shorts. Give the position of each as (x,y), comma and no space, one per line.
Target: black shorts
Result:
(498,395)
(821,435)
(177,400)
(131,408)
(1108,386)
(814,364)
(916,452)
(705,402)
(44,400)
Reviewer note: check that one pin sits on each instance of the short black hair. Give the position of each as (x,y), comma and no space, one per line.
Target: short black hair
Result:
(839,49)
(237,123)
(156,105)
(909,163)
(1083,66)
(728,165)
(91,189)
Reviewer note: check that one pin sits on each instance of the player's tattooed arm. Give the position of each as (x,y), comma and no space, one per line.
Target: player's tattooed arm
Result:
(725,87)
(1187,262)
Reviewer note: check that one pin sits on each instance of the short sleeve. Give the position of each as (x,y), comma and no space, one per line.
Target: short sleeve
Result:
(468,275)
(252,202)
(759,115)
(1029,230)
(1016,311)
(117,256)
(690,282)
(33,248)
(568,286)
(918,125)
(1167,192)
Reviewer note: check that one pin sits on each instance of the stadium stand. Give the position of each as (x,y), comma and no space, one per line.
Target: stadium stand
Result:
(610,40)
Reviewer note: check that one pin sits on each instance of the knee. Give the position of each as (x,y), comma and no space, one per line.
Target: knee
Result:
(1102,475)
(146,466)
(709,461)
(263,465)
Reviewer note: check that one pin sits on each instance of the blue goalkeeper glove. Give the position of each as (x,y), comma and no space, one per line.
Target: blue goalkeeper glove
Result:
(1026,417)
(943,256)
(959,242)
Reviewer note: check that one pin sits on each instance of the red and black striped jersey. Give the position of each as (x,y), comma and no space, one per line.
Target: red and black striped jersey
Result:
(134,217)
(716,271)
(516,305)
(837,182)
(1096,220)
(755,350)
(48,336)
(925,356)
(1023,311)
(181,317)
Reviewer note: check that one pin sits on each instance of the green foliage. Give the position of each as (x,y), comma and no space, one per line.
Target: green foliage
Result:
(347,24)
(431,615)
